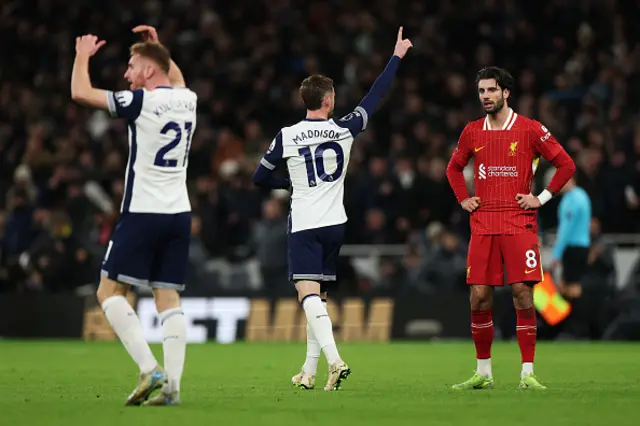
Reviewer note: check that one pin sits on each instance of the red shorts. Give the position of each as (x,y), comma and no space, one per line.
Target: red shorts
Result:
(491,255)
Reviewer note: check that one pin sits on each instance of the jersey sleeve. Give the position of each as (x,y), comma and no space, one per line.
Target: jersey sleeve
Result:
(125,103)
(356,121)
(273,156)
(544,143)
(457,163)
(464,149)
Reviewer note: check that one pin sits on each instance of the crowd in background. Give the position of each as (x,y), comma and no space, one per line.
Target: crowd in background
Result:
(576,64)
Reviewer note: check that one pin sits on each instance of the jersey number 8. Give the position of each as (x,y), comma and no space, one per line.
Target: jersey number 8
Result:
(160,161)
(319,162)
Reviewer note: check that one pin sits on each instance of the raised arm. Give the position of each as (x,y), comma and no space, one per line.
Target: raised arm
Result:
(81,89)
(150,33)
(357,120)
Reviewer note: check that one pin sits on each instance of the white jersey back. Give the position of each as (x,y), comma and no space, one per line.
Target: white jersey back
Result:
(161,125)
(317,154)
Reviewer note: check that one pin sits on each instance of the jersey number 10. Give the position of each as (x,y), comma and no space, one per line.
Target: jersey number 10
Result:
(319,162)
(160,161)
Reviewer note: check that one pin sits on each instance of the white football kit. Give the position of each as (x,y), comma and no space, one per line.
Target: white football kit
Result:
(150,244)
(317,155)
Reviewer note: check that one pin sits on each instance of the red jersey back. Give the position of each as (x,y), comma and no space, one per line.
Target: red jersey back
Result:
(505,161)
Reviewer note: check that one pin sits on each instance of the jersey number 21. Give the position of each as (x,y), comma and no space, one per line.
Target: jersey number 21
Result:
(172,126)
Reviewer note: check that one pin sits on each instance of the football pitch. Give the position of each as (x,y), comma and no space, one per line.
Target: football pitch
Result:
(78,383)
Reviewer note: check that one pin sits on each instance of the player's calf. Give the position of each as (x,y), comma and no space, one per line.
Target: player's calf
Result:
(320,322)
(125,323)
(526,325)
(174,342)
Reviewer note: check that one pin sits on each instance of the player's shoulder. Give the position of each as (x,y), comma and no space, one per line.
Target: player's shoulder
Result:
(473,125)
(524,122)
(535,127)
(167,92)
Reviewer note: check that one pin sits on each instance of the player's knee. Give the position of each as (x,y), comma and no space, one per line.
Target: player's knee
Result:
(109,288)
(166,298)
(306,288)
(481,297)
(522,295)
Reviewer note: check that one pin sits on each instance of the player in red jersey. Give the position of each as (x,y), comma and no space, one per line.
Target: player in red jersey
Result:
(506,148)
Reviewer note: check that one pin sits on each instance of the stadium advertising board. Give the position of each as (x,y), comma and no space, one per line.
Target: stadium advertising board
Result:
(226,320)
(41,315)
(229,319)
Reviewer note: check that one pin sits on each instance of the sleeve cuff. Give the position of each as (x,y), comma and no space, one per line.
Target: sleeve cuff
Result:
(545,196)
(111,104)
(267,164)
(365,116)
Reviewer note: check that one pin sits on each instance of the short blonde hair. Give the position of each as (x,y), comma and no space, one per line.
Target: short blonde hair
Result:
(155,51)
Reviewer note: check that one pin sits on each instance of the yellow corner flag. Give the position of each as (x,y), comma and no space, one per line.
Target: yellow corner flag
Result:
(549,302)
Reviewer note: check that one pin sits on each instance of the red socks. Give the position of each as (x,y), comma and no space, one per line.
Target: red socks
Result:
(482,333)
(526,330)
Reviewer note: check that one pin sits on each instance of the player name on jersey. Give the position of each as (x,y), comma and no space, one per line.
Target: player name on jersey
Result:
(161,124)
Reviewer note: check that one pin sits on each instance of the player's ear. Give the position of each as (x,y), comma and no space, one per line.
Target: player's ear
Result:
(149,71)
(506,93)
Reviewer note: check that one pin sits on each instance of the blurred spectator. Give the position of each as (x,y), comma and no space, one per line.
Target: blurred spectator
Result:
(57,260)
(442,266)
(575,71)
(270,239)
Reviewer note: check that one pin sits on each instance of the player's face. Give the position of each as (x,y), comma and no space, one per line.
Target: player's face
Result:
(492,97)
(138,71)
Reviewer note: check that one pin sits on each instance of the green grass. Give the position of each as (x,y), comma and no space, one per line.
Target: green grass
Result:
(76,383)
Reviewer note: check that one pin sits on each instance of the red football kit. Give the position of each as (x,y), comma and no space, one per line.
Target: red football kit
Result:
(505,160)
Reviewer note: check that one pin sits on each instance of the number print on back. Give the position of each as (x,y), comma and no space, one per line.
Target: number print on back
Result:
(318,158)
(172,126)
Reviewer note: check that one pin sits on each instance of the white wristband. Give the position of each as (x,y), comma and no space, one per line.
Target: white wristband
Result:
(545,196)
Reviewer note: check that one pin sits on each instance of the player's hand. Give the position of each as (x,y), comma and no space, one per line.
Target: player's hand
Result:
(471,204)
(147,32)
(402,45)
(528,201)
(88,45)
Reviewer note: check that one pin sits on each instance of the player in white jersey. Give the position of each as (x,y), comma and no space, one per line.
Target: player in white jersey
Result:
(317,151)
(150,244)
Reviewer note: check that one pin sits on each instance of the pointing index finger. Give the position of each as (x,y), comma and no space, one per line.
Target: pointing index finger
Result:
(140,28)
(400,34)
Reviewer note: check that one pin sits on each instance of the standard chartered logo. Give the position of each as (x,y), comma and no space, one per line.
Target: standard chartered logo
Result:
(482,172)
(497,171)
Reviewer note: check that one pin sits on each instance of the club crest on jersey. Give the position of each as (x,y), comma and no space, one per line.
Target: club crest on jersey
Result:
(513,149)
(124,98)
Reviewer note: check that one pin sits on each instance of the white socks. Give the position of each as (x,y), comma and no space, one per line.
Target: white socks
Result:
(126,325)
(320,323)
(527,368)
(313,350)
(484,368)
(174,344)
